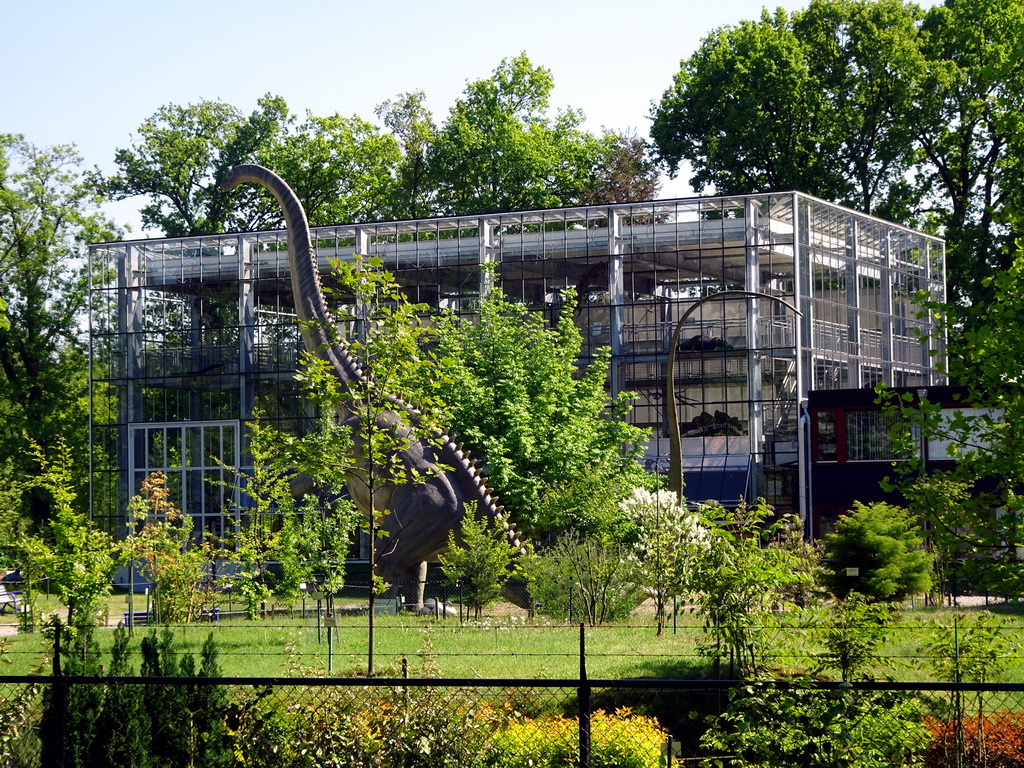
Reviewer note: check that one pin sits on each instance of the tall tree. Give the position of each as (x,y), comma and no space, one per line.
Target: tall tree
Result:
(47,215)
(966,117)
(342,167)
(625,171)
(974,508)
(861,52)
(558,450)
(412,124)
(500,150)
(809,101)
(182,153)
(897,112)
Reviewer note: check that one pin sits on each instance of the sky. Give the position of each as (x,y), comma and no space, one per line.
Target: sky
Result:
(90,73)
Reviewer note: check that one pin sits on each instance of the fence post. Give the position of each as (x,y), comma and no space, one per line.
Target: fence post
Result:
(584,699)
(60,694)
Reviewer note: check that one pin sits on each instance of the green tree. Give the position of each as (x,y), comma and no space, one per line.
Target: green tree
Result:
(342,168)
(972,649)
(124,731)
(810,101)
(768,725)
(393,343)
(480,565)
(499,150)
(966,117)
(48,213)
(884,544)
(972,507)
(553,441)
(79,559)
(175,562)
(904,113)
(667,549)
(412,125)
(179,157)
(853,629)
(582,577)
(738,581)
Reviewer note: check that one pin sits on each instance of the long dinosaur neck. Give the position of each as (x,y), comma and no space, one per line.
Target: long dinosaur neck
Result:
(310,304)
(319,337)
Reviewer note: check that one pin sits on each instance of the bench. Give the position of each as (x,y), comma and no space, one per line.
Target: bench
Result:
(9,601)
(143,618)
(137,618)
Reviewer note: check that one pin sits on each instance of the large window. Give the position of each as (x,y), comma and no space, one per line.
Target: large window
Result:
(194,457)
(828,448)
(867,436)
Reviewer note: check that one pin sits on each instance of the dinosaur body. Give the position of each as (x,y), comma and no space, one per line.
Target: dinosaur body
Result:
(418,514)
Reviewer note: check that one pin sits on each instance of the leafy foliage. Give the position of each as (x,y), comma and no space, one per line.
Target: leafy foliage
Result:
(970,650)
(667,549)
(79,559)
(805,560)
(481,565)
(341,167)
(76,736)
(778,727)
(159,725)
(973,508)
(500,151)
(175,562)
(48,213)
(345,727)
(180,155)
(619,738)
(851,633)
(552,440)
(582,577)
(885,544)
(809,101)
(895,111)
(738,580)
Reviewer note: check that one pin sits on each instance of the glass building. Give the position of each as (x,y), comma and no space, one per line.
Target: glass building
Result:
(191,336)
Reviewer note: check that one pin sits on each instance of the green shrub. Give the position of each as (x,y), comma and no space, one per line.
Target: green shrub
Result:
(480,564)
(581,579)
(356,727)
(884,543)
(779,727)
(617,740)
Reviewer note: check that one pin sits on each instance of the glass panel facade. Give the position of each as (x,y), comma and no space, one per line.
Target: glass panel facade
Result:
(200,332)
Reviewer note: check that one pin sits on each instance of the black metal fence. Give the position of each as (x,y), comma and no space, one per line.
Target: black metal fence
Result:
(72,721)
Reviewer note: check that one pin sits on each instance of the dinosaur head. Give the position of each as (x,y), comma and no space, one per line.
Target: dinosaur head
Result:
(240,174)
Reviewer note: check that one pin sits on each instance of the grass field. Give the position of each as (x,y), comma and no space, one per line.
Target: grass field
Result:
(505,645)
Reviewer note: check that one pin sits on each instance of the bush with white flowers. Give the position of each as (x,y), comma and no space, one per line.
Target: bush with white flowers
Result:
(670,539)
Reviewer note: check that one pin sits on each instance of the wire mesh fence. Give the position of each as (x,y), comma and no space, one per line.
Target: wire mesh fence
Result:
(917,646)
(148,721)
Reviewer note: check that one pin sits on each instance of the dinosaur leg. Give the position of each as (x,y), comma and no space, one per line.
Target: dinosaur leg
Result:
(413,588)
(407,580)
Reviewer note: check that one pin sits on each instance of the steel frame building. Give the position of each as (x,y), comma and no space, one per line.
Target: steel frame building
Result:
(190,336)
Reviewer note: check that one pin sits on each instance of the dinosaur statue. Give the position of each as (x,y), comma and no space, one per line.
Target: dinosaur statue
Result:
(419,515)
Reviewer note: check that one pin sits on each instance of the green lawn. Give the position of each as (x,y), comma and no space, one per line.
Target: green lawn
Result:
(507,646)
